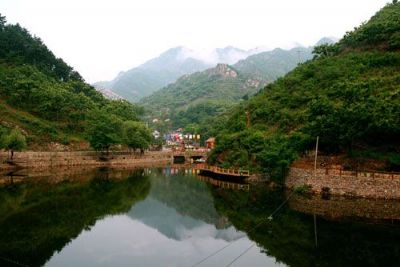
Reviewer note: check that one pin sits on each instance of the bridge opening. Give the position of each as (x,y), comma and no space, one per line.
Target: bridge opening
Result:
(179,159)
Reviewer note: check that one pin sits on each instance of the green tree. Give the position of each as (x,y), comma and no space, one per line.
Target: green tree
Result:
(3,133)
(136,135)
(15,141)
(3,21)
(325,50)
(103,131)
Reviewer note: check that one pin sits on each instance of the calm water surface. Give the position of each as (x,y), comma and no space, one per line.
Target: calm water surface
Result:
(172,217)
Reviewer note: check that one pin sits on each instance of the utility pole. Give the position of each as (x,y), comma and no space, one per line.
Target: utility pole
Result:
(315,160)
(247,119)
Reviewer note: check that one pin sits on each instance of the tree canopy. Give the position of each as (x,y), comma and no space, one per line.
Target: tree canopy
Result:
(42,95)
(136,135)
(14,141)
(347,96)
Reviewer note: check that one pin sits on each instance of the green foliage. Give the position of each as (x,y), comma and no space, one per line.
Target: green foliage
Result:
(14,141)
(350,100)
(40,217)
(156,73)
(325,50)
(290,235)
(186,194)
(124,110)
(18,46)
(198,98)
(136,135)
(381,32)
(198,113)
(42,95)
(200,87)
(304,189)
(103,131)
(2,22)
(3,133)
(270,65)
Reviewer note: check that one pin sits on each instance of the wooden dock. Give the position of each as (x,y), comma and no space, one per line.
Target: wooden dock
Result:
(224,184)
(225,173)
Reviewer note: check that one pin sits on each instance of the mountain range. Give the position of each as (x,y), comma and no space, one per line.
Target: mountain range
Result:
(205,94)
(158,72)
(151,76)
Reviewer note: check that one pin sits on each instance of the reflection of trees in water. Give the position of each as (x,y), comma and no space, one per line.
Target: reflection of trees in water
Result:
(224,184)
(187,195)
(289,237)
(40,218)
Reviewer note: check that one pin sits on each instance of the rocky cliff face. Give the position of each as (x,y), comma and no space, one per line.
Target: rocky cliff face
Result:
(223,70)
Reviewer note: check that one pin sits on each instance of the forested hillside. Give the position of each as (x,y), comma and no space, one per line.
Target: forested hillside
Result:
(349,96)
(194,99)
(45,99)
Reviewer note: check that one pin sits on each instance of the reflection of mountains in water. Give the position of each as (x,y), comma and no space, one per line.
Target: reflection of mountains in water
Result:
(341,208)
(173,225)
(180,206)
(187,195)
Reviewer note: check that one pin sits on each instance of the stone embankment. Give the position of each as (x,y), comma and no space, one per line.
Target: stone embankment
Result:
(336,181)
(88,158)
(339,208)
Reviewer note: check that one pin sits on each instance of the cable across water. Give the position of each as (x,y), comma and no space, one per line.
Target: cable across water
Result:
(269,218)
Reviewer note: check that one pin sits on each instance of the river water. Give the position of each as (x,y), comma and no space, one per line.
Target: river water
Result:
(173,217)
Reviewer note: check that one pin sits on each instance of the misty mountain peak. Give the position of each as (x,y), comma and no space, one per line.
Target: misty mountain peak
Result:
(327,40)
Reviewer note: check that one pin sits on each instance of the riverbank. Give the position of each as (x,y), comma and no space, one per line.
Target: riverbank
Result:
(334,180)
(50,159)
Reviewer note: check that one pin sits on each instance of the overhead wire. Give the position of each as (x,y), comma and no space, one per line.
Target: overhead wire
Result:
(269,218)
(241,254)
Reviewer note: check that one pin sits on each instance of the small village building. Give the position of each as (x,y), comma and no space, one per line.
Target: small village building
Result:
(156,134)
(210,143)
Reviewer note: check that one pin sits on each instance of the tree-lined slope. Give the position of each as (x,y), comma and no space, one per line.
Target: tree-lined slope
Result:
(43,96)
(349,96)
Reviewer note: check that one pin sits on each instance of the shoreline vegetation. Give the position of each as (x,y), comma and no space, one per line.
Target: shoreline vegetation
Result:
(326,180)
(347,96)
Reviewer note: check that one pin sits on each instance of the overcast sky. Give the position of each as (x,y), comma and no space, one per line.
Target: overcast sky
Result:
(100,38)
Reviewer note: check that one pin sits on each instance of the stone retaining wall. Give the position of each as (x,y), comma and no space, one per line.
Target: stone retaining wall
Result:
(82,158)
(360,184)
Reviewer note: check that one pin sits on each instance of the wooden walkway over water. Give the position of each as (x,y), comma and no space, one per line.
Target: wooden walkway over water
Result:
(218,171)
